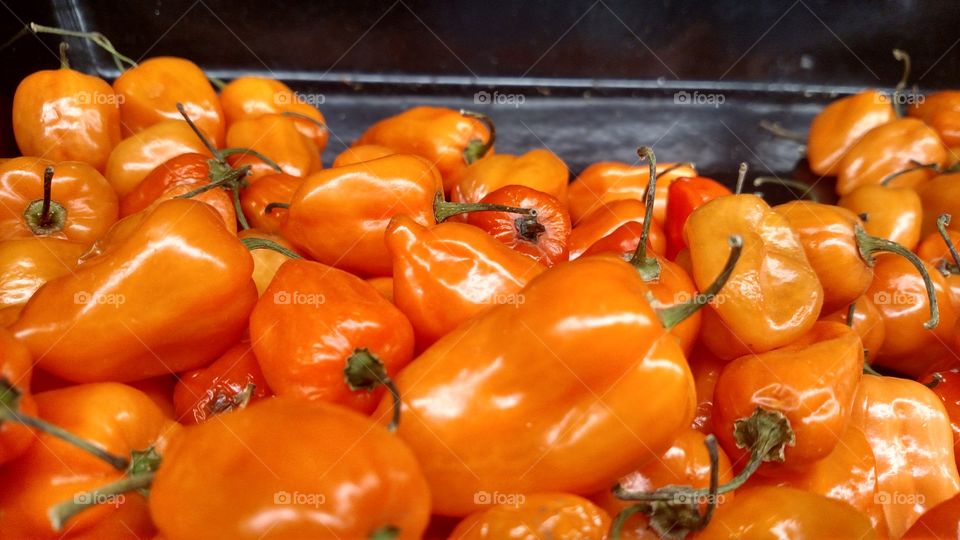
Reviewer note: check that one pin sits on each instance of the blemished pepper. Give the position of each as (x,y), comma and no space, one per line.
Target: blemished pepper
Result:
(333,474)
(841,124)
(65,115)
(446,274)
(449,139)
(909,431)
(68,200)
(608,181)
(773,296)
(539,515)
(106,321)
(314,321)
(530,363)
(538,169)
(232,381)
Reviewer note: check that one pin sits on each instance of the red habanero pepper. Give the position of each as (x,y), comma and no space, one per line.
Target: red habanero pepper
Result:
(685,195)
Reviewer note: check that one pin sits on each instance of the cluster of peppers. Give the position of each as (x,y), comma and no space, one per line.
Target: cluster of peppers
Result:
(205,334)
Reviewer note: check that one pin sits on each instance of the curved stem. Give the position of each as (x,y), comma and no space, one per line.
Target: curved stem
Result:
(616,527)
(741,176)
(13,39)
(791,184)
(203,138)
(851,311)
(364,371)
(252,243)
(443,210)
(674,315)
(871,245)
(915,167)
(648,267)
(942,221)
(903,57)
(676,166)
(62,512)
(96,37)
(476,149)
(274,205)
(250,151)
(302,116)
(935,380)
(782,132)
(238,208)
(64,61)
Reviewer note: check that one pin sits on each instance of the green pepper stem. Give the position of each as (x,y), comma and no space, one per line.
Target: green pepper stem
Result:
(942,221)
(301,116)
(264,243)
(443,210)
(741,177)
(476,149)
(387,532)
(95,37)
(674,315)
(238,208)
(791,184)
(871,245)
(64,61)
(648,267)
(274,205)
(779,131)
(217,83)
(203,138)
(60,513)
(249,151)
(903,57)
(364,371)
(45,216)
(915,166)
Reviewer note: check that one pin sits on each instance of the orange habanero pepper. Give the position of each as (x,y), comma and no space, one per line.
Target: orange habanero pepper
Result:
(940,250)
(867,323)
(946,385)
(315,325)
(106,320)
(841,124)
(891,213)
(28,263)
(538,169)
(450,140)
(909,432)
(68,200)
(685,195)
(255,200)
(941,521)
(939,196)
(65,115)
(231,381)
(607,219)
(446,274)
(360,153)
(250,97)
(275,136)
(331,472)
(540,515)
(941,111)
(266,259)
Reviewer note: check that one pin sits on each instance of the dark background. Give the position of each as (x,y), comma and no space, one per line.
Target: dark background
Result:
(597,78)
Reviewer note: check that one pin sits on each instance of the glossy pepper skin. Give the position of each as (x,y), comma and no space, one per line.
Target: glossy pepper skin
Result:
(16,366)
(90,204)
(542,237)
(766,513)
(105,321)
(311,319)
(608,181)
(849,474)
(706,368)
(827,234)
(685,463)
(114,416)
(65,115)
(151,91)
(941,111)
(867,323)
(360,153)
(892,213)
(338,216)
(332,473)
(811,381)
(138,155)
(439,135)
(685,195)
(540,515)
(941,521)
(607,219)
(277,137)
(446,274)
(909,432)
(773,296)
(28,263)
(899,293)
(939,196)
(934,250)
(538,169)
(888,149)
(220,387)
(265,190)
(534,364)
(947,388)
(266,262)
(841,124)
(250,97)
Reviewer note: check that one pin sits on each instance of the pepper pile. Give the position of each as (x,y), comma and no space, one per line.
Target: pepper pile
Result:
(209,335)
